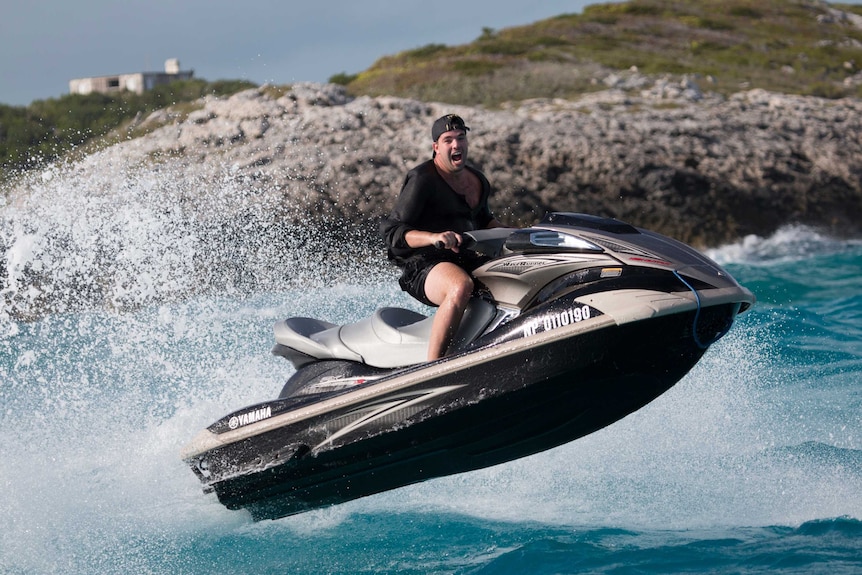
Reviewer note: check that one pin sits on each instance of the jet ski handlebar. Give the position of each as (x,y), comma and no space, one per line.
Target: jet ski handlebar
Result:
(483,242)
(496,241)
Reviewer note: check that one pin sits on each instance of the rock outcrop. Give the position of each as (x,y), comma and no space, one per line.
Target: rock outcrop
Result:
(265,191)
(695,166)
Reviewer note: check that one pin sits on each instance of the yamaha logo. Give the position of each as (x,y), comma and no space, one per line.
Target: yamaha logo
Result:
(250,417)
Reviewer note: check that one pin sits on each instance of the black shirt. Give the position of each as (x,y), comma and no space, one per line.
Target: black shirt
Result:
(428,203)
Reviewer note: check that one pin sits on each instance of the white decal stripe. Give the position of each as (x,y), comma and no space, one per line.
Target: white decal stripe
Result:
(385,409)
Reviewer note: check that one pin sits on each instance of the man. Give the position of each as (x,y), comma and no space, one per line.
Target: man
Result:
(440,199)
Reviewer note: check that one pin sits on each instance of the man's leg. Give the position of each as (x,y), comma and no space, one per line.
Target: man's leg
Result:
(450,287)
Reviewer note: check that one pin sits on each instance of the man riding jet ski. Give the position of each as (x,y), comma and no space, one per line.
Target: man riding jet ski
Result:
(440,200)
(573,324)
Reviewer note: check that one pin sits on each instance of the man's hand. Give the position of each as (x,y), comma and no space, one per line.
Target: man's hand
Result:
(447,241)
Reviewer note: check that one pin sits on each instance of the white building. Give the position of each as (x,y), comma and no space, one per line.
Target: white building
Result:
(138,83)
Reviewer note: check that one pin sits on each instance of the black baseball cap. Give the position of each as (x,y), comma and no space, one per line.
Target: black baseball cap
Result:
(445,124)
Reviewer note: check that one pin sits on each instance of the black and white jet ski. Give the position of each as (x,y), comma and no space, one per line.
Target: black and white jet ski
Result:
(576,323)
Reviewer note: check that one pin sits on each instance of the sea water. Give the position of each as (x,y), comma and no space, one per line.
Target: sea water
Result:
(751,464)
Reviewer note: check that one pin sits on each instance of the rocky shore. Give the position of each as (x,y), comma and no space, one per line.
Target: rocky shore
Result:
(271,189)
(658,154)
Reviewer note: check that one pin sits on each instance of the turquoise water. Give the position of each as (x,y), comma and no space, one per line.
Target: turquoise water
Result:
(751,464)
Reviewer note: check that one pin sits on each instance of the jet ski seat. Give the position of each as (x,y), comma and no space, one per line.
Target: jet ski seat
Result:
(391,337)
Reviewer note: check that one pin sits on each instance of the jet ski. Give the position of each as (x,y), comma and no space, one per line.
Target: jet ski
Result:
(575,323)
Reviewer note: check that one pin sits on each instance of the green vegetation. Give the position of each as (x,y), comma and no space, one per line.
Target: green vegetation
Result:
(342,78)
(47,129)
(790,46)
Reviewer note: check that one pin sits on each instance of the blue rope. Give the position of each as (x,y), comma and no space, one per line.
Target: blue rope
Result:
(697,341)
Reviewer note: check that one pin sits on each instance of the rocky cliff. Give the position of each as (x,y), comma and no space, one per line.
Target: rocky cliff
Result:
(271,189)
(657,154)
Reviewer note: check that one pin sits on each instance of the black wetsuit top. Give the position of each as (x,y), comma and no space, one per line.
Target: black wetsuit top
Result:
(428,203)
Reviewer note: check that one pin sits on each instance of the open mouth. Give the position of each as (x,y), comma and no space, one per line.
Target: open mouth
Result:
(456,156)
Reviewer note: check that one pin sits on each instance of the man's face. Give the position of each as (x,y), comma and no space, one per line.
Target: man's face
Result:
(451,150)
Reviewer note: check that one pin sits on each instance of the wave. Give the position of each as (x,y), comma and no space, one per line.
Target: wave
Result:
(97,405)
(789,244)
(125,391)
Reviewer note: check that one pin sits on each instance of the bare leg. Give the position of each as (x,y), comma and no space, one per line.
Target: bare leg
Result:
(450,287)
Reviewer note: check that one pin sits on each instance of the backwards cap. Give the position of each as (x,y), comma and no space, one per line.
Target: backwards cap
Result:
(445,124)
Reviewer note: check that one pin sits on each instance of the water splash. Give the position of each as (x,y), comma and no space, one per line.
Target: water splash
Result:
(124,236)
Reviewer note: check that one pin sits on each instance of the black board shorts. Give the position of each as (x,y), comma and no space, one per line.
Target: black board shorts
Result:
(415,272)
(413,277)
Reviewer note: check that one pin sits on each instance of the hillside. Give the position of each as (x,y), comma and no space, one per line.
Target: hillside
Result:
(48,129)
(804,47)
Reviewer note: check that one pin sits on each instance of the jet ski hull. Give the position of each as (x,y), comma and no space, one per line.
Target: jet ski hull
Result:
(578,323)
(536,397)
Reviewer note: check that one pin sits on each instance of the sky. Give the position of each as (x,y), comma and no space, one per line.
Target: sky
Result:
(46,43)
